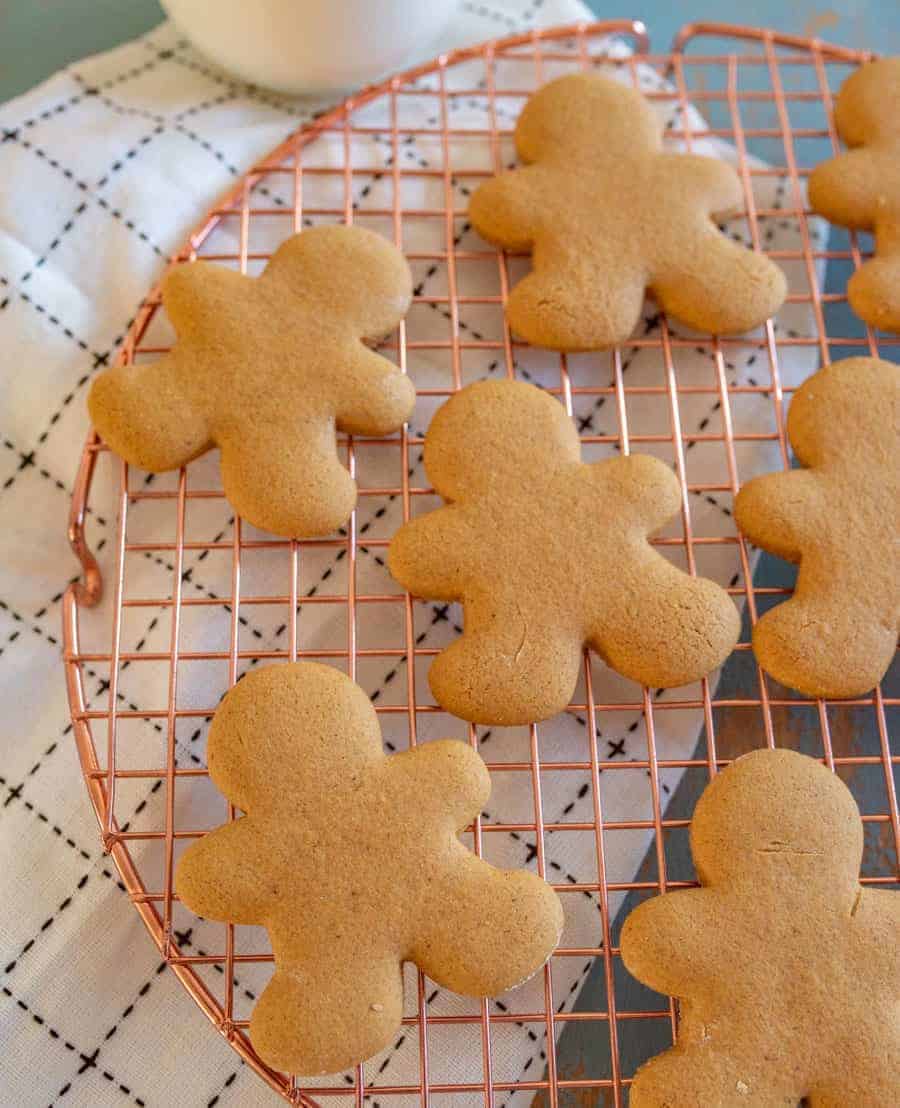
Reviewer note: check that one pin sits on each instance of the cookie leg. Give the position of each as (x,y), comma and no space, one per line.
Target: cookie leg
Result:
(662,627)
(717,286)
(484,930)
(288,479)
(506,673)
(577,301)
(693,1075)
(874,292)
(824,646)
(322,1018)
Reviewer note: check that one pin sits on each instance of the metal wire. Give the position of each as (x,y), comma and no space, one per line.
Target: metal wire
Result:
(768,57)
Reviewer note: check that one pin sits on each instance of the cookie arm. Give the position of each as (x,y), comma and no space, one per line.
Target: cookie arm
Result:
(846,189)
(427,555)
(708,183)
(200,299)
(854,191)
(223,875)
(877,914)
(698,274)
(146,413)
(775,511)
(446,776)
(644,490)
(372,396)
(666,942)
(505,209)
(483,930)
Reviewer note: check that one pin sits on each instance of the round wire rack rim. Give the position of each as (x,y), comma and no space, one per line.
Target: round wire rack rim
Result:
(155,908)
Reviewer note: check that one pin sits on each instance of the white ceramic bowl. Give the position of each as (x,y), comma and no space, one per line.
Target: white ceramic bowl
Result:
(304,46)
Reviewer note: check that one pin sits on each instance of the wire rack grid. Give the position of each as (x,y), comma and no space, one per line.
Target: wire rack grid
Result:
(770,98)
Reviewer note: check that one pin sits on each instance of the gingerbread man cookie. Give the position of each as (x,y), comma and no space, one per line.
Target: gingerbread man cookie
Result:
(266,368)
(350,859)
(787,969)
(546,554)
(860,189)
(838,518)
(607,215)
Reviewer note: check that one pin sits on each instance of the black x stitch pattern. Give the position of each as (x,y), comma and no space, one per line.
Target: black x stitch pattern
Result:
(22,621)
(101,201)
(15,794)
(85,1061)
(84,187)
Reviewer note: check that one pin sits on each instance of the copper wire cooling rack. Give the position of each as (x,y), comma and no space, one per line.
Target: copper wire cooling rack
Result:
(770,97)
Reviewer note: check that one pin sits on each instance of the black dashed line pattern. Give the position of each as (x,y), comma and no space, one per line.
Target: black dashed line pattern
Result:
(87,1061)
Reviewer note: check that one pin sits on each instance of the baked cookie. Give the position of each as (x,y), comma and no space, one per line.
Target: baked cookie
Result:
(265,368)
(350,859)
(546,554)
(838,518)
(607,215)
(787,969)
(860,189)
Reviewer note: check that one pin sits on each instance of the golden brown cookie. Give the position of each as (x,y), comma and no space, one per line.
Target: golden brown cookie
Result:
(265,368)
(787,969)
(861,188)
(608,215)
(546,554)
(350,859)
(838,518)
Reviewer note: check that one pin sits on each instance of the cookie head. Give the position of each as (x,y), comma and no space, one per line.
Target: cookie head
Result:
(496,432)
(361,277)
(863,111)
(284,720)
(844,412)
(585,116)
(809,823)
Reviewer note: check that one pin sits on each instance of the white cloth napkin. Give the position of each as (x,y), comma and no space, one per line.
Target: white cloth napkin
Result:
(105,168)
